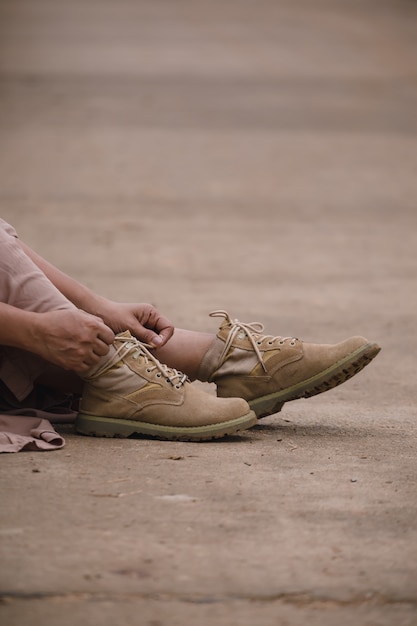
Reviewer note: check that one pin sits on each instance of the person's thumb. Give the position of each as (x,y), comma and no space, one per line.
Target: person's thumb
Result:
(147,336)
(156,341)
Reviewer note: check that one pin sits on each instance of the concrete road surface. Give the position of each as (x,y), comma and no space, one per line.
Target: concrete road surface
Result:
(258,157)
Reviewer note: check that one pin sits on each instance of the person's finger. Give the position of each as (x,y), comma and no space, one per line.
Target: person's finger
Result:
(164,329)
(163,324)
(165,335)
(100,348)
(151,337)
(105,334)
(148,336)
(83,367)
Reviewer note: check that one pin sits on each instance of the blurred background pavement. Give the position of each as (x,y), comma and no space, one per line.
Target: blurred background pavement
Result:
(258,157)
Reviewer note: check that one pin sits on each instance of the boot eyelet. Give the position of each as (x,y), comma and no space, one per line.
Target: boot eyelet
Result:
(148,370)
(292,343)
(158,375)
(281,343)
(270,343)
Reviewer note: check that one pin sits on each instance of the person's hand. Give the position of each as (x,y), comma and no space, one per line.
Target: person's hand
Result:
(71,339)
(143,320)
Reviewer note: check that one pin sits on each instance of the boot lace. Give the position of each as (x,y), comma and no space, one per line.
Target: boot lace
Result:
(253,332)
(130,345)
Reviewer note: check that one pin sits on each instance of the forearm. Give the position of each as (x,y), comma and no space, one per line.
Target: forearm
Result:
(141,319)
(69,338)
(75,292)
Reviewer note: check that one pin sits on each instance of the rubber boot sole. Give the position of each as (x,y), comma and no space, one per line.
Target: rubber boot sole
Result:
(114,427)
(328,379)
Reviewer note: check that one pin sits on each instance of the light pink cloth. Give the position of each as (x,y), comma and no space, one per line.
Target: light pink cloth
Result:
(29,431)
(24,286)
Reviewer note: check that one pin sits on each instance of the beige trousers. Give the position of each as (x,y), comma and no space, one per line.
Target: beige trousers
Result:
(24,286)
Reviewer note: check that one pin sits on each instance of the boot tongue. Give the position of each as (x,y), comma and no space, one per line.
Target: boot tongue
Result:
(224,331)
(125,333)
(143,351)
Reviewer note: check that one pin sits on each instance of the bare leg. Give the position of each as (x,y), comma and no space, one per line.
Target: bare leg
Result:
(185,350)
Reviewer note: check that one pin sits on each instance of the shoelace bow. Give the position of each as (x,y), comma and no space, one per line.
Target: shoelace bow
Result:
(131,344)
(253,332)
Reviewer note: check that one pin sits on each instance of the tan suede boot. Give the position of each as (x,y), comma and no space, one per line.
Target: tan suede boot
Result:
(268,371)
(131,392)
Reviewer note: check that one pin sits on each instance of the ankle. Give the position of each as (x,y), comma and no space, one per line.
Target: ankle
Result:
(185,351)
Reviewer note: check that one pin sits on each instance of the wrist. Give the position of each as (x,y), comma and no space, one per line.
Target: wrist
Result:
(97,305)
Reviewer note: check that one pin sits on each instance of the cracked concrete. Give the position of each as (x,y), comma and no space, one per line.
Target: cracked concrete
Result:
(259,158)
